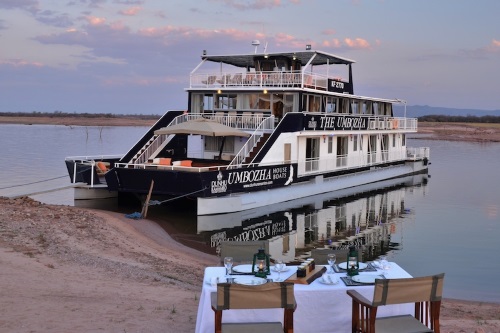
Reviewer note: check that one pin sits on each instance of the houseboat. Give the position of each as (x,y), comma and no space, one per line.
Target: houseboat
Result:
(262,129)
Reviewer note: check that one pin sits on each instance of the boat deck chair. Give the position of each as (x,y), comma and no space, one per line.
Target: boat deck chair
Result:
(425,292)
(241,251)
(265,296)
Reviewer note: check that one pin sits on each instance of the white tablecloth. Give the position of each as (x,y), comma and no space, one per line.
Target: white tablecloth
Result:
(320,307)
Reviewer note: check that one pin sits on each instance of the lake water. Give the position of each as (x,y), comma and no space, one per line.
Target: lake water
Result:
(446,222)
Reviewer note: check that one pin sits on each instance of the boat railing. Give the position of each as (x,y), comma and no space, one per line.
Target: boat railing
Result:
(265,125)
(259,79)
(392,123)
(417,153)
(90,160)
(321,164)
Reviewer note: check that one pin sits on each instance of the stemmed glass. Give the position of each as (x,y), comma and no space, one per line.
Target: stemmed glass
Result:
(228,263)
(331,261)
(384,265)
(279,266)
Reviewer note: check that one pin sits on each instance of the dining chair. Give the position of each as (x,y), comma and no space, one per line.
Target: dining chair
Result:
(271,295)
(241,251)
(320,255)
(426,292)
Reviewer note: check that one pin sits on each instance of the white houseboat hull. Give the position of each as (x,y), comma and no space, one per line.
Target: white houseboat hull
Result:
(318,185)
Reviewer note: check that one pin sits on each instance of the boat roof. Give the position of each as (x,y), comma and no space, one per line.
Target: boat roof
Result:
(248,60)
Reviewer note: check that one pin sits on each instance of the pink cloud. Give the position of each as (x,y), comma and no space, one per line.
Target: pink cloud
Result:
(357,43)
(92,20)
(328,32)
(132,11)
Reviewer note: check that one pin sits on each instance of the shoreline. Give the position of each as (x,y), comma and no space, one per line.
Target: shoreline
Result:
(470,132)
(127,275)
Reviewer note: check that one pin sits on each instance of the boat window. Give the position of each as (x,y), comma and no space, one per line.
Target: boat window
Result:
(330,144)
(312,154)
(403,140)
(225,101)
(208,102)
(330,104)
(394,140)
(312,102)
(355,143)
(355,106)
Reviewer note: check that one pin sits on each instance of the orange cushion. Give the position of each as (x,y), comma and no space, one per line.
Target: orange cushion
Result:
(186,163)
(165,161)
(102,166)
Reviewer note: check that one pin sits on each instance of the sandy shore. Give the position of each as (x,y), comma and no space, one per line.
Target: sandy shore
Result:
(68,269)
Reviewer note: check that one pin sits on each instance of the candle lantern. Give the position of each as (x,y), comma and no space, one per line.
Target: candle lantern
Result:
(260,264)
(352,262)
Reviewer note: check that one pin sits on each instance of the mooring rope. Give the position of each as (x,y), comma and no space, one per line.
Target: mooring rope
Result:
(39,181)
(157,202)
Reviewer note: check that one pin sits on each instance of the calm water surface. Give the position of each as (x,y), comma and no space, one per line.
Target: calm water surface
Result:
(449,223)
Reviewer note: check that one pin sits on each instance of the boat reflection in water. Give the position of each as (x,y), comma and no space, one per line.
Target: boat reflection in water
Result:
(365,216)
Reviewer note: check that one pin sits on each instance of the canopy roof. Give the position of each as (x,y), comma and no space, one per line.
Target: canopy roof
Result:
(248,60)
(202,126)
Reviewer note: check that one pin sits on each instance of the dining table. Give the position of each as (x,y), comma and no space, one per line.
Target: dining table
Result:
(322,305)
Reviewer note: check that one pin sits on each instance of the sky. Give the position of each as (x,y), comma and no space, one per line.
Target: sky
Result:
(135,56)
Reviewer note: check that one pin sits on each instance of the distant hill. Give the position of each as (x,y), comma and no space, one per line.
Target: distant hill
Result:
(416,111)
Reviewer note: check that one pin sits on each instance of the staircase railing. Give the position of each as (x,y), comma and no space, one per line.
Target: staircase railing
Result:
(267,123)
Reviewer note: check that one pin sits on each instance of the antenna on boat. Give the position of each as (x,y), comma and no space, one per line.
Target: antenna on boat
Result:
(256,43)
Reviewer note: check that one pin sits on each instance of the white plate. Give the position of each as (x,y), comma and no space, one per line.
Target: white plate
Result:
(273,268)
(250,280)
(243,268)
(365,278)
(343,265)
(331,283)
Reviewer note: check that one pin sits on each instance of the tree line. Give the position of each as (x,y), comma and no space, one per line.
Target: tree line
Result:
(460,119)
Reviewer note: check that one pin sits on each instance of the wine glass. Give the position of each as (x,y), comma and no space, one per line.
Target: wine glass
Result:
(384,265)
(331,261)
(279,266)
(228,263)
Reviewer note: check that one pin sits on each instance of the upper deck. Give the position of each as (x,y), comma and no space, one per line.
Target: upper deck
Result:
(306,69)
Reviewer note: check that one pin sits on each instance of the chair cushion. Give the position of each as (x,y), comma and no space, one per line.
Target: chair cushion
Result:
(400,324)
(252,327)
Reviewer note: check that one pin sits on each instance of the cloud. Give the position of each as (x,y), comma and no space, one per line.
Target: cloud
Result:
(132,11)
(52,18)
(357,43)
(28,5)
(252,4)
(19,63)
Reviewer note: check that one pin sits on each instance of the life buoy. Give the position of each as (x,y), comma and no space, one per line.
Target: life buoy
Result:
(395,123)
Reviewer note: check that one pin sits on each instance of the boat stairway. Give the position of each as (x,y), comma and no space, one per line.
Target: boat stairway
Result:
(257,147)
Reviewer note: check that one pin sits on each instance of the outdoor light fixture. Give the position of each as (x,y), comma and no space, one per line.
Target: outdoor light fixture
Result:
(265,91)
(352,262)
(260,264)
(219,91)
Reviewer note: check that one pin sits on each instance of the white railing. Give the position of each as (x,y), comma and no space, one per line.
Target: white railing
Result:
(259,79)
(265,126)
(89,160)
(321,165)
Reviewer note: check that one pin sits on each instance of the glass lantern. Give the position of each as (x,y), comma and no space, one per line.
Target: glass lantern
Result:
(352,262)
(260,264)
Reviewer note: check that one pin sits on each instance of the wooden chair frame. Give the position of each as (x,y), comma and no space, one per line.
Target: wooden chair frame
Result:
(267,296)
(425,292)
